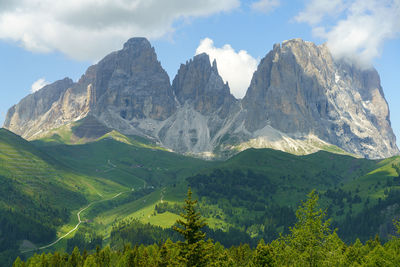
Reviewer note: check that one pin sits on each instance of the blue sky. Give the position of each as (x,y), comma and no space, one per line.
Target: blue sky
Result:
(47,40)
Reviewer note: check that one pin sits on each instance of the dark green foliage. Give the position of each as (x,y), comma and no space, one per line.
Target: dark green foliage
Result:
(264,255)
(165,206)
(310,243)
(232,237)
(194,250)
(372,220)
(249,204)
(191,223)
(253,194)
(246,187)
(397,168)
(136,233)
(84,239)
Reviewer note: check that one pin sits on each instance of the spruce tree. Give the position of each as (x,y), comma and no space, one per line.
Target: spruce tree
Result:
(311,242)
(193,251)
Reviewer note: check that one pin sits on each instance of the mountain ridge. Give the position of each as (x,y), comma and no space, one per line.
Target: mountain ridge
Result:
(299,100)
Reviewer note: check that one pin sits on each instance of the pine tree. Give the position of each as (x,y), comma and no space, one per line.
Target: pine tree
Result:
(164,257)
(264,255)
(311,241)
(75,258)
(18,262)
(193,251)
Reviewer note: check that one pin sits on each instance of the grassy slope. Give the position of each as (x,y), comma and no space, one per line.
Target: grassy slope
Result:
(130,162)
(24,162)
(298,175)
(117,163)
(133,163)
(38,186)
(294,175)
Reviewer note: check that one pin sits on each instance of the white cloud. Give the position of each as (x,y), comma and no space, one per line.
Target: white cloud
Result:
(265,6)
(359,28)
(39,84)
(88,29)
(316,10)
(236,68)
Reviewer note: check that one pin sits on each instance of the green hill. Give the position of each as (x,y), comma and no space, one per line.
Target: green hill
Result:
(254,193)
(38,193)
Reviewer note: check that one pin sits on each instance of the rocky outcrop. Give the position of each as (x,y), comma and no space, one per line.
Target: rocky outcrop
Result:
(204,105)
(126,86)
(199,84)
(299,89)
(132,83)
(300,100)
(34,113)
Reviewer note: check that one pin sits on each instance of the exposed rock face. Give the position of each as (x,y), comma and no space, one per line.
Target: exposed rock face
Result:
(199,84)
(132,83)
(205,103)
(36,112)
(126,85)
(300,99)
(300,90)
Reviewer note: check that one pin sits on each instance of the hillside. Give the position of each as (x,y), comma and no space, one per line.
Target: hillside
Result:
(255,191)
(252,195)
(129,161)
(39,193)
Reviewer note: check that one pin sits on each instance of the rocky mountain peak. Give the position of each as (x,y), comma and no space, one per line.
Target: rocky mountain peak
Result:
(21,117)
(300,89)
(199,82)
(132,83)
(300,99)
(137,43)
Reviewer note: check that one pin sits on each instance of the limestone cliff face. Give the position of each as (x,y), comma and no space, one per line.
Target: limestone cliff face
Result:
(299,89)
(300,99)
(129,86)
(125,86)
(199,84)
(36,112)
(204,105)
(132,83)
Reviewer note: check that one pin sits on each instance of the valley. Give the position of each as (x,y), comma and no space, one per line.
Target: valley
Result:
(117,178)
(109,159)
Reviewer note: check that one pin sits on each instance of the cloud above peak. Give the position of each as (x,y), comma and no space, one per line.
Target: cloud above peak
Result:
(88,29)
(39,84)
(236,68)
(354,29)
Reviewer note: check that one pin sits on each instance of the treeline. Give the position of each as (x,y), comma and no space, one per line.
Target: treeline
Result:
(252,207)
(85,239)
(245,197)
(310,242)
(25,217)
(373,219)
(135,232)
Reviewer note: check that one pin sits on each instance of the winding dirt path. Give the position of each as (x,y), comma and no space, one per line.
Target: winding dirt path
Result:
(77,225)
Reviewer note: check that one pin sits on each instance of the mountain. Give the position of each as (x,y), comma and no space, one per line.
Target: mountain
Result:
(204,106)
(300,90)
(300,100)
